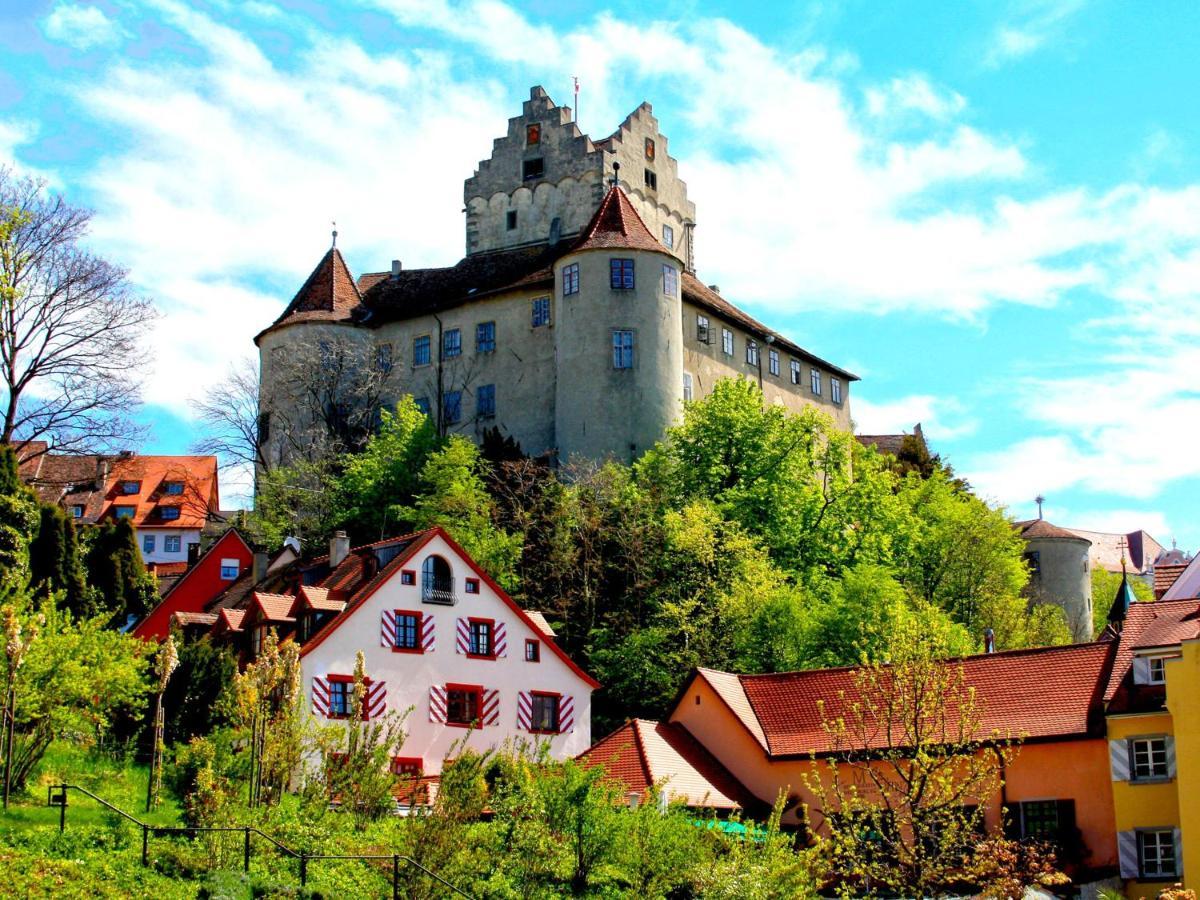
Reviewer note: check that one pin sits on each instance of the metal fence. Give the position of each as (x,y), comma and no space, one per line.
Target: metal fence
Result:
(56,795)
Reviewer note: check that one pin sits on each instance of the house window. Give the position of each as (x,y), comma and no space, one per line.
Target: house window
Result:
(540,312)
(670,281)
(815,382)
(1158,670)
(383,358)
(462,705)
(544,715)
(257,636)
(773,362)
(669,237)
(172,543)
(472,586)
(1040,819)
(1149,758)
(408,766)
(168,513)
(621,274)
(651,179)
(650,149)
(130,487)
(795,367)
(533,134)
(408,631)
(727,342)
(77,511)
(622,349)
(452,407)
(835,394)
(452,344)
(485,401)
(570,279)
(173,488)
(230,569)
(485,337)
(687,387)
(124,512)
(422,403)
(437,584)
(148,543)
(703,334)
(1158,857)
(510,220)
(533,650)
(752,352)
(481,631)
(339,698)
(421,355)
(408,576)
(533,168)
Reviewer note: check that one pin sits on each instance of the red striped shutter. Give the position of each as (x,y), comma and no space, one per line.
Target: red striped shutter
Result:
(376,699)
(464,636)
(500,644)
(566,714)
(428,635)
(437,704)
(524,710)
(490,714)
(387,629)
(320,692)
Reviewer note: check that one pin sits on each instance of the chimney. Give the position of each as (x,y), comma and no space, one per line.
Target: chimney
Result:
(193,555)
(715,288)
(989,641)
(395,269)
(101,472)
(339,548)
(260,566)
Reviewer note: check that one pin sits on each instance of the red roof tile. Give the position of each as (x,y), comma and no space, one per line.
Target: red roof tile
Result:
(1040,529)
(321,599)
(1156,624)
(194,618)
(152,474)
(540,621)
(1165,576)
(329,294)
(1040,693)
(617,225)
(273,607)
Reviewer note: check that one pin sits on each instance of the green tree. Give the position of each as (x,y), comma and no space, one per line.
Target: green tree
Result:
(19,518)
(195,697)
(115,570)
(296,500)
(54,561)
(1104,590)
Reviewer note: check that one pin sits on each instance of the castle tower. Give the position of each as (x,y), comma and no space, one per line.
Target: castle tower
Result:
(619,337)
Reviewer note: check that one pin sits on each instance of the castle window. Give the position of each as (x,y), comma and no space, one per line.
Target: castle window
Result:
(773,362)
(621,274)
(422,404)
(533,168)
(669,237)
(570,278)
(727,342)
(815,381)
(650,149)
(421,355)
(383,358)
(540,312)
(687,387)
(510,220)
(752,352)
(452,407)
(703,334)
(452,344)
(485,401)
(835,391)
(651,179)
(670,281)
(622,349)
(485,337)
(533,134)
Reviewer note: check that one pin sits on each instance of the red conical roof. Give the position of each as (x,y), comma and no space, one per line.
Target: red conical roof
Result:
(617,225)
(329,294)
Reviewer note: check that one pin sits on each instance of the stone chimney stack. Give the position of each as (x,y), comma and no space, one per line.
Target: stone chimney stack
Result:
(396,268)
(339,548)
(989,641)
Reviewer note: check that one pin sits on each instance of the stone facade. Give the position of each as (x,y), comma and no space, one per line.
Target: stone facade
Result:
(532,357)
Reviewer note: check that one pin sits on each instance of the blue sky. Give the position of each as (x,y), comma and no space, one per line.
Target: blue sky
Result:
(990,211)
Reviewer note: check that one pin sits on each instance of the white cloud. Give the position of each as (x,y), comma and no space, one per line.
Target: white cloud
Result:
(940,418)
(913,93)
(1029,26)
(82,27)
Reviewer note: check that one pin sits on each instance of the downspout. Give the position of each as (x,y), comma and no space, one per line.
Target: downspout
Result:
(441,424)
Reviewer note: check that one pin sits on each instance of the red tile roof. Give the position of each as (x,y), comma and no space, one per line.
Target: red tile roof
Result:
(1165,576)
(540,621)
(1040,529)
(273,607)
(1157,624)
(321,599)
(197,474)
(1041,693)
(641,753)
(328,295)
(616,225)
(229,620)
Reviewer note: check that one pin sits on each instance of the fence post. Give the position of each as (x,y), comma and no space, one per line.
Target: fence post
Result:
(145,845)
(62,812)
(246,851)
(303,868)
(395,876)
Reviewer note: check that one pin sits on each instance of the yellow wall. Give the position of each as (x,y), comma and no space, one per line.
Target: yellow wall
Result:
(1183,700)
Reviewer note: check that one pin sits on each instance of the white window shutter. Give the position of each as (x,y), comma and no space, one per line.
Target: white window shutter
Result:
(463,644)
(1141,670)
(320,691)
(1170,744)
(1118,760)
(1178,835)
(524,710)
(387,629)
(437,704)
(1127,852)
(566,714)
(428,634)
(501,642)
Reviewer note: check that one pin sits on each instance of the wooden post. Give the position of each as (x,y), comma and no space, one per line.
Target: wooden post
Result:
(11,707)
(246,851)
(156,737)
(395,876)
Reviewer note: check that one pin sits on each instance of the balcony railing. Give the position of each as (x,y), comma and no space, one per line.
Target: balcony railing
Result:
(438,589)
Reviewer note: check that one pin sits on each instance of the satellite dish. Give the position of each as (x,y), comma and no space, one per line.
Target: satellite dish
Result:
(555,230)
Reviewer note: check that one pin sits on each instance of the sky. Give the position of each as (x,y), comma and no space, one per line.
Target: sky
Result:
(989,211)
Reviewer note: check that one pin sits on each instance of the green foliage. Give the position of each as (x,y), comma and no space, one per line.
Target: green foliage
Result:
(54,560)
(19,518)
(194,695)
(295,501)
(1104,590)
(117,573)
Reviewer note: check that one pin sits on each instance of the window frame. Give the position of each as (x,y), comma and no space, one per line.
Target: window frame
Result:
(170,539)
(1161,667)
(408,576)
(752,353)
(536,646)
(451,402)
(533,168)
(835,394)
(1041,805)
(570,279)
(418,617)
(795,371)
(703,329)
(620,351)
(472,622)
(225,568)
(451,343)
(173,488)
(148,543)
(773,361)
(385,359)
(77,510)
(533,134)
(622,273)
(650,178)
(727,345)
(670,281)
(689,387)
(536,320)
(347,683)
(1160,874)
(474,689)
(814,381)
(1151,752)
(534,697)
(130,488)
(398,763)
(488,410)
(485,337)
(510,220)
(427,340)
(668,236)
(164,510)
(124,511)
(471,586)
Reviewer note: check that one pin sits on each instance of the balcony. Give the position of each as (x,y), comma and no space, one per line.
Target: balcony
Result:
(438,589)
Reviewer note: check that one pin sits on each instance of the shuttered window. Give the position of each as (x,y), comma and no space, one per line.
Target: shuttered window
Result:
(1158,854)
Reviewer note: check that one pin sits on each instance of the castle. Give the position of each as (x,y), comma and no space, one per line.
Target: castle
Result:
(575,324)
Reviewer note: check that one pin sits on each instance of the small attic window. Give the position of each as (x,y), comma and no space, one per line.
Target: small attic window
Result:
(533,135)
(510,220)
(130,487)
(174,488)
(533,168)
(651,180)
(650,149)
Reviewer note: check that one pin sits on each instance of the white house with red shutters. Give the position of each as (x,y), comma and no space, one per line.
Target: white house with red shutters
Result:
(441,638)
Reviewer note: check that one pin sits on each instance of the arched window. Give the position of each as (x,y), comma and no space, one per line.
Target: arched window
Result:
(437,584)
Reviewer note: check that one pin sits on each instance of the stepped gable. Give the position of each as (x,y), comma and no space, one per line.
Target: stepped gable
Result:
(617,225)
(329,294)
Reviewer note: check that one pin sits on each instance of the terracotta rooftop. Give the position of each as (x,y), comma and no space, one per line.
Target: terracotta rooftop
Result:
(616,225)
(1040,529)
(328,295)
(1157,624)
(273,607)
(640,754)
(1041,693)
(320,599)
(1165,576)
(540,621)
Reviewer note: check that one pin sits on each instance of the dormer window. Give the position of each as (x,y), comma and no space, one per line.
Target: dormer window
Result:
(1158,670)
(124,512)
(173,488)
(130,487)
(533,134)
(168,513)
(533,168)
(77,511)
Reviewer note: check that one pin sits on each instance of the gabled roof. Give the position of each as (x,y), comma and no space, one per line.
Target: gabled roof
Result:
(329,294)
(318,599)
(1159,624)
(1049,692)
(272,607)
(1187,583)
(1165,576)
(229,620)
(616,225)
(640,754)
